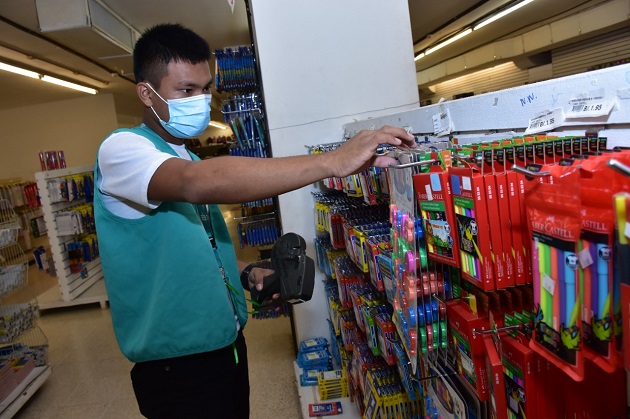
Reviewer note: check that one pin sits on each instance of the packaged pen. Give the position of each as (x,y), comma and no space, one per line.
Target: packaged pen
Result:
(552,202)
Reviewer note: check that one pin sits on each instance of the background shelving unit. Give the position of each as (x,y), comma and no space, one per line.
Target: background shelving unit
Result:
(75,288)
(23,346)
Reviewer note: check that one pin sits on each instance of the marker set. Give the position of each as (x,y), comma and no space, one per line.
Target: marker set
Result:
(473,230)
(553,213)
(433,193)
(596,263)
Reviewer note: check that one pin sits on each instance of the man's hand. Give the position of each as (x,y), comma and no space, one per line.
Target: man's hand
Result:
(358,153)
(256,277)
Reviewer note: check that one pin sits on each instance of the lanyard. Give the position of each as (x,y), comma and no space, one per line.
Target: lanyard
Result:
(202,211)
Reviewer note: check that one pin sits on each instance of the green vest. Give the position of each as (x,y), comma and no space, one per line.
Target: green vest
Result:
(165,290)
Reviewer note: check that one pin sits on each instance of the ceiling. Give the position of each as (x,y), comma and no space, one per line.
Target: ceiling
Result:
(21,41)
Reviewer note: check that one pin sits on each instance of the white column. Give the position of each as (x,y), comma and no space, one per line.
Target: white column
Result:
(323,64)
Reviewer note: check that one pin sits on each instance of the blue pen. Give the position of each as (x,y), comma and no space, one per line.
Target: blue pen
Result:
(570,260)
(603,256)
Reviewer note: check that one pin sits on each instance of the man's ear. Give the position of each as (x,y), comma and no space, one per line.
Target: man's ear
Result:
(144,93)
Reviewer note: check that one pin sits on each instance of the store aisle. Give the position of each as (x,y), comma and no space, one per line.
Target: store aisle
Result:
(90,378)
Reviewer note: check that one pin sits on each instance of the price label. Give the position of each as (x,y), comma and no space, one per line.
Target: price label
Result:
(546,121)
(548,283)
(584,256)
(592,104)
(442,124)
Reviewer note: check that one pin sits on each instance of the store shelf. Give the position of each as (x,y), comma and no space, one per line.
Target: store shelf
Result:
(94,294)
(74,287)
(10,406)
(310,394)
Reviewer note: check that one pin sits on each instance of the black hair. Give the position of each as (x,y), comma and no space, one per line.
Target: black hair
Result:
(162,44)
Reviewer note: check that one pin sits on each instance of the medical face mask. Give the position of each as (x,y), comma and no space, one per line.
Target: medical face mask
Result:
(188,116)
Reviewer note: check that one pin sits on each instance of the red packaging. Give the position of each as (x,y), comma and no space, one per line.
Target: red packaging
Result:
(496,239)
(469,347)
(553,215)
(522,264)
(549,379)
(596,262)
(520,386)
(433,195)
(469,203)
(496,381)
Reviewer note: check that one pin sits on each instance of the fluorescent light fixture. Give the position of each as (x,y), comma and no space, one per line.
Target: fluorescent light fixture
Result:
(448,41)
(417,57)
(49,79)
(217,125)
(18,70)
(69,85)
(503,13)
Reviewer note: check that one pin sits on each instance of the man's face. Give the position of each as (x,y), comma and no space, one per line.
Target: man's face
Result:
(182,80)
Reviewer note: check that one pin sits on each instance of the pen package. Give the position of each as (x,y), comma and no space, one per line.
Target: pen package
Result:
(433,194)
(469,347)
(522,265)
(553,216)
(469,203)
(621,260)
(596,263)
(496,381)
(520,386)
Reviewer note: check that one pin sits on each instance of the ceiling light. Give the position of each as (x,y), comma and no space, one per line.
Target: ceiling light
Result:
(18,70)
(417,57)
(37,75)
(69,85)
(217,125)
(503,13)
(448,41)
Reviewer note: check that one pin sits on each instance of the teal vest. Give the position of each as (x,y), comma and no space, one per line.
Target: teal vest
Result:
(165,290)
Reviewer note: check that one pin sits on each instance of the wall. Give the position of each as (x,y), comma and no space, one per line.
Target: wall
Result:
(75,126)
(324,64)
(571,59)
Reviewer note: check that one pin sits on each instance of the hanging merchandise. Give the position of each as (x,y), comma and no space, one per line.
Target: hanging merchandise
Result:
(257,231)
(552,201)
(243,114)
(235,70)
(596,262)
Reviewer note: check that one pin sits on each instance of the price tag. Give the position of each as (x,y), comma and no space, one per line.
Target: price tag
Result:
(442,124)
(548,283)
(584,256)
(545,122)
(591,104)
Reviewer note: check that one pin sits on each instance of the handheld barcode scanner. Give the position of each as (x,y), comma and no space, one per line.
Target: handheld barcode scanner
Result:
(294,276)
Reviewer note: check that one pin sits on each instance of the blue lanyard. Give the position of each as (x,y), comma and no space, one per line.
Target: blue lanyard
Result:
(202,210)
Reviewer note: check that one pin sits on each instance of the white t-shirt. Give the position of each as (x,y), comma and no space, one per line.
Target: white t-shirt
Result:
(127,162)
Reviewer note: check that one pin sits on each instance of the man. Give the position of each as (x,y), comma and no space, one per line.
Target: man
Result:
(172,278)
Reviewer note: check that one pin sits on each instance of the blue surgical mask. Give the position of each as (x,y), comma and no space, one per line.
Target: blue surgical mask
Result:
(188,116)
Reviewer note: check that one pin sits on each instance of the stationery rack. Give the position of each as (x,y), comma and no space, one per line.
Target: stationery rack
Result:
(531,262)
(67,204)
(243,111)
(23,346)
